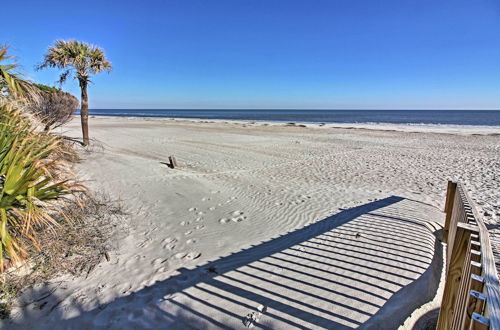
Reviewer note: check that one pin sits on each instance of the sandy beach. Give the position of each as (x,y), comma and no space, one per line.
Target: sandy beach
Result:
(266,225)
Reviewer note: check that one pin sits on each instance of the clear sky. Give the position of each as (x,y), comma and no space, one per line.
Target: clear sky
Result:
(348,54)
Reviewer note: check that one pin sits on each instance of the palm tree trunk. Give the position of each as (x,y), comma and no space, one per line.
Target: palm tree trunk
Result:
(84,112)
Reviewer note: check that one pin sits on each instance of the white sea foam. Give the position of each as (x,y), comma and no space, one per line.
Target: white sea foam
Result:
(400,127)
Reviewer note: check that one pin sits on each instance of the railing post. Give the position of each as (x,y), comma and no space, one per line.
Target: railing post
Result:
(448,208)
(454,274)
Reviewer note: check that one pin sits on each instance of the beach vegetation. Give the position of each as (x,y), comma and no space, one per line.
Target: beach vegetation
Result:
(13,88)
(55,107)
(33,177)
(30,183)
(81,60)
(49,223)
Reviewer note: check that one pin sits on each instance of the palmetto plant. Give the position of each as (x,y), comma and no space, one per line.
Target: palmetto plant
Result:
(29,183)
(12,86)
(30,175)
(82,60)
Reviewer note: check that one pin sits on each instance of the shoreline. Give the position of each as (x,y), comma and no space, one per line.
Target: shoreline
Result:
(386,127)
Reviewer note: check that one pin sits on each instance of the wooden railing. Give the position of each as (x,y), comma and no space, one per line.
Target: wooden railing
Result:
(471,297)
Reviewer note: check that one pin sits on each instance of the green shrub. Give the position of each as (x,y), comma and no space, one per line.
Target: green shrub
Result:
(29,184)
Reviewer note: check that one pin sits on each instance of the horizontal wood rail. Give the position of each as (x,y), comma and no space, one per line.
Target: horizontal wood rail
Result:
(471,297)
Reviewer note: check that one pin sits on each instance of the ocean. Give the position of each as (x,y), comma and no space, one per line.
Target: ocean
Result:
(435,117)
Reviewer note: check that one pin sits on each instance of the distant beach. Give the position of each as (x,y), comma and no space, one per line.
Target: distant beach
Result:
(484,122)
(411,117)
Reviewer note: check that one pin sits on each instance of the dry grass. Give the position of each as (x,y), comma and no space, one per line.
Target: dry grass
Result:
(73,248)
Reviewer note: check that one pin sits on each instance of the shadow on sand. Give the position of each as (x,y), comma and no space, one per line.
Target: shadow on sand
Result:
(365,267)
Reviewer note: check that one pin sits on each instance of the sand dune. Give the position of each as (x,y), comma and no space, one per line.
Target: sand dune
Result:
(266,226)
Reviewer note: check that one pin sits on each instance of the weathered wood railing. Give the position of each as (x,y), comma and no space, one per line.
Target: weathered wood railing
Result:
(471,297)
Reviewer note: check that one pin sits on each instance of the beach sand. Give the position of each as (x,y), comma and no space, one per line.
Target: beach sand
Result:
(266,225)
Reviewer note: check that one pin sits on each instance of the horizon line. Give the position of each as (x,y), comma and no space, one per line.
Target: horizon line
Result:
(294,109)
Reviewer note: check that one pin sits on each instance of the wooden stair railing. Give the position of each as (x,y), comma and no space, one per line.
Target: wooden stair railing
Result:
(471,297)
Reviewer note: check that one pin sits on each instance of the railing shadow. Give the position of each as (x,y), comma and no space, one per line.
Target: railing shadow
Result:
(360,268)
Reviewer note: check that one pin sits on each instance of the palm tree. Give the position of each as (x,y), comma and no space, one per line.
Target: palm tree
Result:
(82,60)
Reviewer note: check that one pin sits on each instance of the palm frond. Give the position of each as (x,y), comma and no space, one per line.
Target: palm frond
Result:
(29,183)
(77,57)
(13,88)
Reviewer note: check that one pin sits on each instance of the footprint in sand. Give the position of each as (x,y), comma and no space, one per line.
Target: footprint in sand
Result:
(199,227)
(156,261)
(169,243)
(144,243)
(149,232)
(184,223)
(252,318)
(180,255)
(238,219)
(190,241)
(188,256)
(224,220)
(169,246)
(199,219)
(237,212)
(192,255)
(192,209)
(189,232)
(211,208)
(169,240)
(161,270)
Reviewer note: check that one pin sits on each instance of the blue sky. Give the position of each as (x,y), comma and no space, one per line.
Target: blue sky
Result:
(349,54)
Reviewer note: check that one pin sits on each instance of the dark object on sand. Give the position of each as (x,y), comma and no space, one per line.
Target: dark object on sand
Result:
(358,235)
(173,161)
(212,270)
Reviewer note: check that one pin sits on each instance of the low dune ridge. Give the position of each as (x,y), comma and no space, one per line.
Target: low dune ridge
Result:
(267,226)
